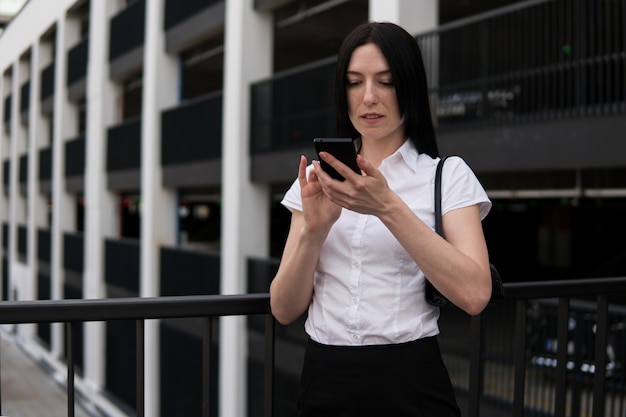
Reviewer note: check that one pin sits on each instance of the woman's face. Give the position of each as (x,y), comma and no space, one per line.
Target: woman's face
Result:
(371,95)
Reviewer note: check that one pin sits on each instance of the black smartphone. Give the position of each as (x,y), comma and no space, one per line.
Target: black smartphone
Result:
(342,149)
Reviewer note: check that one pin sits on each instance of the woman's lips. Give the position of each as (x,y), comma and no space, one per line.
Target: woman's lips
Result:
(371,117)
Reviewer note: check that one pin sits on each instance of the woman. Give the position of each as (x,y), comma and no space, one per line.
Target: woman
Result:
(358,251)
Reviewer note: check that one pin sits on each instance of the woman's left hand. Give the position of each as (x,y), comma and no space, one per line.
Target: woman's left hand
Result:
(368,193)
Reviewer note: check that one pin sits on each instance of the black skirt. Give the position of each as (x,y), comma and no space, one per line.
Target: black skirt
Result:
(400,380)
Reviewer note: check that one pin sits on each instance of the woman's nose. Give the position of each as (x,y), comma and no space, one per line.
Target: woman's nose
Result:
(369,95)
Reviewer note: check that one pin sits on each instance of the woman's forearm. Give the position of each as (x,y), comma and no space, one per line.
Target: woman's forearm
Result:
(292,287)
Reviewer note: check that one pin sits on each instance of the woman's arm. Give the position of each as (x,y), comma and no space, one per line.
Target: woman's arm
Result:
(458,266)
(292,287)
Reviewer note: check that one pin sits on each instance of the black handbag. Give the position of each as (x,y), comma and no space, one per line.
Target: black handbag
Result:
(433,296)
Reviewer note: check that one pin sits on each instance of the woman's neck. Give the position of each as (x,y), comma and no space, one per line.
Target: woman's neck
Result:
(376,151)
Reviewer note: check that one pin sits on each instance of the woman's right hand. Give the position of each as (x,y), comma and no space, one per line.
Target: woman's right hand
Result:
(319,212)
(292,287)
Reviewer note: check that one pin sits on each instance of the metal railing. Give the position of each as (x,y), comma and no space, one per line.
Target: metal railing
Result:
(74,312)
(476,340)
(536,60)
(520,355)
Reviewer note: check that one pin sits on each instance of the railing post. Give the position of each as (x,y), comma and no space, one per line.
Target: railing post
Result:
(576,388)
(520,358)
(207,344)
(69,341)
(0,380)
(270,334)
(561,358)
(476,371)
(599,378)
(141,375)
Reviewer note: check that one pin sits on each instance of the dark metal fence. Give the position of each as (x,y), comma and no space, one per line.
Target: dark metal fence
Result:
(75,157)
(75,312)
(536,60)
(127,29)
(25,97)
(77,58)
(292,107)
(541,352)
(178,11)
(45,163)
(7,112)
(124,145)
(47,82)
(192,131)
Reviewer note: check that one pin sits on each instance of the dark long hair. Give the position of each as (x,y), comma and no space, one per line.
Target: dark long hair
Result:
(409,76)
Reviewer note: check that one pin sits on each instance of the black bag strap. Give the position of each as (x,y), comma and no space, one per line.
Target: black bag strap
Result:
(438,223)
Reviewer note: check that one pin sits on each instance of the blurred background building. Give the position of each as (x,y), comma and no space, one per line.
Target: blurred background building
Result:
(8,9)
(145,146)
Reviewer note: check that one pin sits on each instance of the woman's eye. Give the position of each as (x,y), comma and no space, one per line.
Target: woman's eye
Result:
(352,83)
(387,82)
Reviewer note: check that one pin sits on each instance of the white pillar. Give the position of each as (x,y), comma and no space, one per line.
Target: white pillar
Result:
(100,207)
(64,126)
(5,154)
(36,207)
(414,16)
(32,194)
(158,205)
(17,202)
(245,206)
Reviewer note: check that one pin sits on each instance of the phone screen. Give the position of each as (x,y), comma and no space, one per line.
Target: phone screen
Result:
(342,149)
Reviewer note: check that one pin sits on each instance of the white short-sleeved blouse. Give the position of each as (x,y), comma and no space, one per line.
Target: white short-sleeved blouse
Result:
(367,289)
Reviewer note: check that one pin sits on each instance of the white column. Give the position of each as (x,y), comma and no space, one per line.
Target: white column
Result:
(36,203)
(18,202)
(13,182)
(100,207)
(158,205)
(19,271)
(414,16)
(245,209)
(64,126)
(5,154)
(32,179)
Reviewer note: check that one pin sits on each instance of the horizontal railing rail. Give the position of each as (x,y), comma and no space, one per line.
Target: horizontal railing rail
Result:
(598,290)
(520,297)
(72,312)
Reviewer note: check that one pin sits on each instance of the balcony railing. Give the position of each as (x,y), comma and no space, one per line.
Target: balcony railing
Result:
(25,98)
(73,312)
(75,157)
(6,175)
(292,107)
(127,29)
(7,113)
(77,58)
(178,11)
(47,82)
(124,145)
(45,164)
(23,170)
(192,131)
(533,61)
(560,364)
